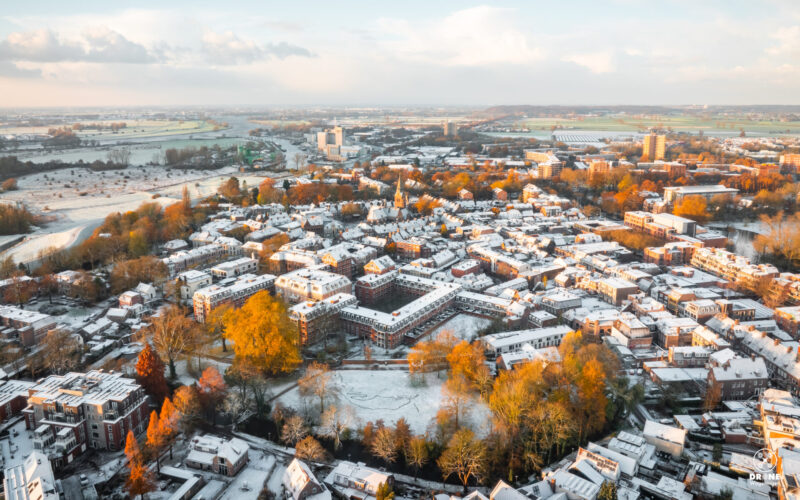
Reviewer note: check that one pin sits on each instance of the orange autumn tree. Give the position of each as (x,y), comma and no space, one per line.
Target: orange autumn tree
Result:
(150,373)
(263,336)
(155,439)
(468,361)
(140,478)
(187,407)
(168,422)
(692,207)
(212,390)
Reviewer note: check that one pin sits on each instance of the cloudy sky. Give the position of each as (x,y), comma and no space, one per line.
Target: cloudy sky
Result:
(120,53)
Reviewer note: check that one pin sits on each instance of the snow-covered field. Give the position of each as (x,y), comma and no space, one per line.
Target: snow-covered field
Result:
(463,326)
(79,199)
(389,395)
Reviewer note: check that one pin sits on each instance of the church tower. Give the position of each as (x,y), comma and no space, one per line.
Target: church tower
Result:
(400,198)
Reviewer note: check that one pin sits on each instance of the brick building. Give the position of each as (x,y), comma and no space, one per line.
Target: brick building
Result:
(207,299)
(70,413)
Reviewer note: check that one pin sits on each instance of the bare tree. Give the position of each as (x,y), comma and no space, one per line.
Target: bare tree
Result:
(464,456)
(335,422)
(121,156)
(318,381)
(384,445)
(237,405)
(417,453)
(61,351)
(299,161)
(294,429)
(173,334)
(457,396)
(310,449)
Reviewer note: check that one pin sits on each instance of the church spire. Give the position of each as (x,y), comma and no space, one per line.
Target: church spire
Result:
(400,198)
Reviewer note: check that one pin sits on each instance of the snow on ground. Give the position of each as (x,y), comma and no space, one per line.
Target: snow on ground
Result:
(389,395)
(186,378)
(275,483)
(90,196)
(463,326)
(250,480)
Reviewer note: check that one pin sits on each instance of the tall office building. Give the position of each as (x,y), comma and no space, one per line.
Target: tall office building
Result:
(449,129)
(330,137)
(654,146)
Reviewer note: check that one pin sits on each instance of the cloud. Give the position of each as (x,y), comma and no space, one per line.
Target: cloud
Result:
(11,70)
(227,48)
(100,45)
(596,62)
(788,42)
(476,36)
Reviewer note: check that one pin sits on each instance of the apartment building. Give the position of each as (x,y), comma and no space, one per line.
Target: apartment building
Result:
(388,330)
(196,257)
(234,268)
(191,281)
(615,290)
(674,194)
(13,397)
(31,480)
(732,267)
(207,299)
(654,146)
(311,284)
(372,288)
(71,412)
(29,327)
(631,332)
(314,320)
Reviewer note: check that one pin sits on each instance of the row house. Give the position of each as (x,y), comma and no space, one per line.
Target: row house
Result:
(501,343)
(674,253)
(190,281)
(413,248)
(689,356)
(286,261)
(381,265)
(674,332)
(196,257)
(738,378)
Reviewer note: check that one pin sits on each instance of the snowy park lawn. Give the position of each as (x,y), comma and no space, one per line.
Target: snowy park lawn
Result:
(388,395)
(463,326)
